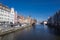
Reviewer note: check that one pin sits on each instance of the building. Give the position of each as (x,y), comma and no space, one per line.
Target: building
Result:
(15,18)
(55,19)
(6,14)
(45,22)
(28,20)
(9,15)
(20,19)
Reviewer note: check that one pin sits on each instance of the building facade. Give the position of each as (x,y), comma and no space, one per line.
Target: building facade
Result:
(55,19)
(15,18)
(9,15)
(6,14)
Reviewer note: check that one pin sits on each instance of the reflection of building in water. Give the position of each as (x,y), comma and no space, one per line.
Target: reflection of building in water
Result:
(12,36)
(45,27)
(7,37)
(28,29)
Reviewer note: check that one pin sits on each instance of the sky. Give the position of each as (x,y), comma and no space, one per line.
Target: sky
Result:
(38,9)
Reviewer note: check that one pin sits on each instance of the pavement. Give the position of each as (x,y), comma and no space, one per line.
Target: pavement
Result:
(5,28)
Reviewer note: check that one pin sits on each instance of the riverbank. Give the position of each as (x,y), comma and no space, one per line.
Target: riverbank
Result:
(12,29)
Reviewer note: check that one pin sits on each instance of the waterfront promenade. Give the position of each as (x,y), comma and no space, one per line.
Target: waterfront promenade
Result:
(4,29)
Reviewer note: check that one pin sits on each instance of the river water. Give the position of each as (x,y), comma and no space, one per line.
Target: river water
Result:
(38,32)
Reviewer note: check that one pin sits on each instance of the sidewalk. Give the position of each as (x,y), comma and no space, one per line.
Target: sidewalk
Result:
(6,29)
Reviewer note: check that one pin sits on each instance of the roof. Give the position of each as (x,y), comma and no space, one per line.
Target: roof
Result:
(4,6)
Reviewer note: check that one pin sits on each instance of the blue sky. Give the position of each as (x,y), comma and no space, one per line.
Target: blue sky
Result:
(39,9)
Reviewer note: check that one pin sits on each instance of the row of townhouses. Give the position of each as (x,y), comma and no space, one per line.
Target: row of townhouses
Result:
(28,20)
(6,14)
(55,19)
(9,15)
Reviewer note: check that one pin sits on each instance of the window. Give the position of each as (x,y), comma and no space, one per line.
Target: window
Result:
(0,9)
(0,17)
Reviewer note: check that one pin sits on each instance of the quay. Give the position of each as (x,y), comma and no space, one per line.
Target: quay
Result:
(4,31)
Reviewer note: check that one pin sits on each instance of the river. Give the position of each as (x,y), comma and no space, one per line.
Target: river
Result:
(38,32)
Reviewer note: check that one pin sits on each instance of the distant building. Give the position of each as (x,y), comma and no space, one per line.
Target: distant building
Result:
(45,22)
(6,14)
(20,19)
(28,20)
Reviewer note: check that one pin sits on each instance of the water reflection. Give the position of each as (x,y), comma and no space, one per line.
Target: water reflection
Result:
(54,31)
(34,27)
(37,32)
(7,37)
(45,27)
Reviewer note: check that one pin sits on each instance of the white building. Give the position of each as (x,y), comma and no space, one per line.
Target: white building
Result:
(6,14)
